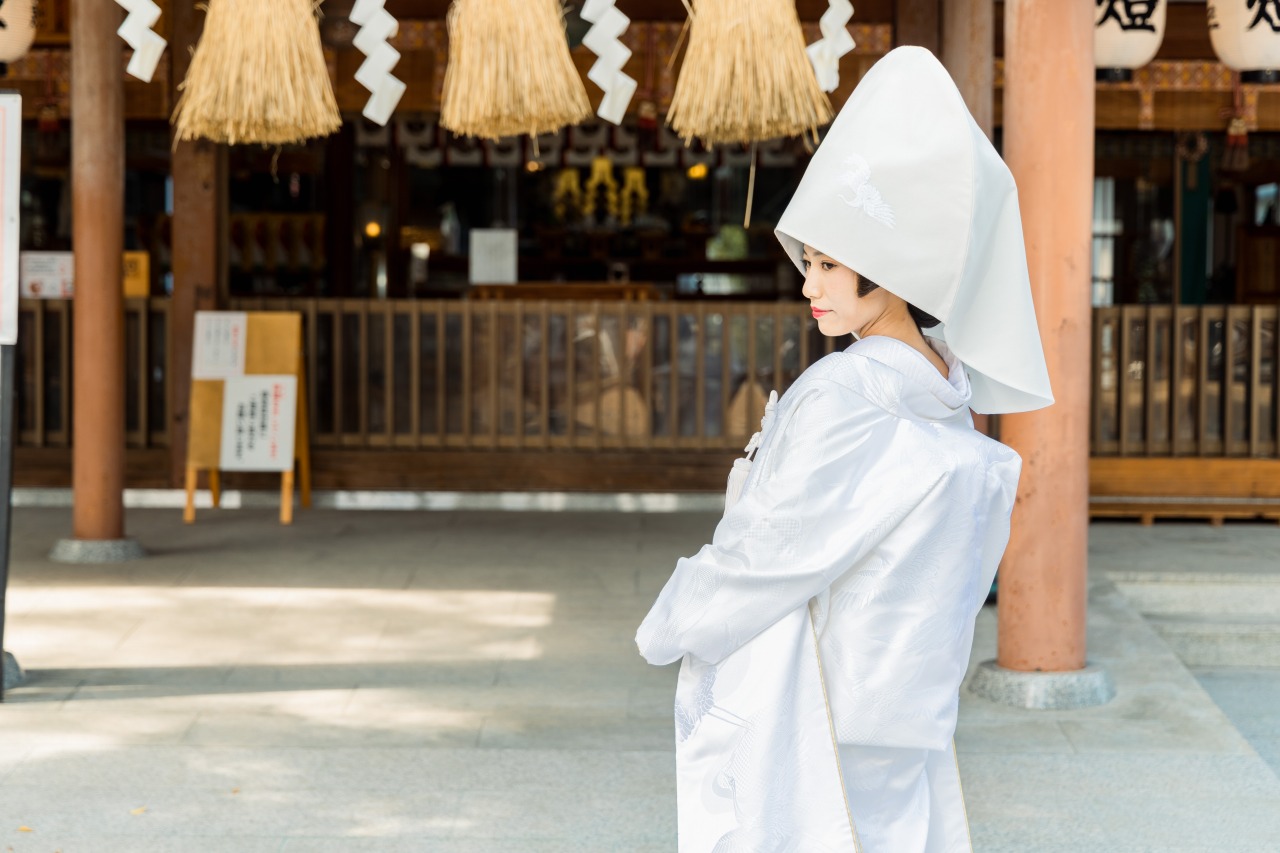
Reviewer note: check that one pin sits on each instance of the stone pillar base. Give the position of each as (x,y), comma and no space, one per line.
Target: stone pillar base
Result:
(1047,691)
(96,551)
(13,674)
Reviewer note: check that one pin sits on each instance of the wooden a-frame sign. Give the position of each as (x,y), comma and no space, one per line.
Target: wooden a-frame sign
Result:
(248,409)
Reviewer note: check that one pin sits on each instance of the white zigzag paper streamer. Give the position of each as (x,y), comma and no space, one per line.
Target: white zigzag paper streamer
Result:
(825,53)
(376,27)
(607,25)
(148,45)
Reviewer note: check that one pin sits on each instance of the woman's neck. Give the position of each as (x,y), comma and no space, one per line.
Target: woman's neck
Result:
(904,329)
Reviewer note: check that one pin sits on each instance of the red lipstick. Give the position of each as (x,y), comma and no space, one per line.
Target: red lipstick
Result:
(818,313)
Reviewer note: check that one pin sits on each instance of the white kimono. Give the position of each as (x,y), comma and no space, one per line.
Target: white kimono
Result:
(827,627)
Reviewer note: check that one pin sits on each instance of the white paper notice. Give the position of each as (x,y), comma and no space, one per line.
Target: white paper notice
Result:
(493,255)
(258,415)
(47,275)
(10,203)
(219,344)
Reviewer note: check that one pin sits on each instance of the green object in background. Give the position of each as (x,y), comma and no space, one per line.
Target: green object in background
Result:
(729,244)
(1193,226)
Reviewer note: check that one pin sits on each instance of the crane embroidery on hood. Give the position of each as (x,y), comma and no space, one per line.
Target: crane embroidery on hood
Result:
(856,179)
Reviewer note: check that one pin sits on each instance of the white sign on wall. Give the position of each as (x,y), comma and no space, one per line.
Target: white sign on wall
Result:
(10,206)
(47,275)
(258,419)
(493,255)
(219,344)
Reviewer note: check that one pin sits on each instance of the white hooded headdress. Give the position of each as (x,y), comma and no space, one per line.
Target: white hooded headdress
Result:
(906,190)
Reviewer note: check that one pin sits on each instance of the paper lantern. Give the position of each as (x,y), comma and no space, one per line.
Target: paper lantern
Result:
(510,71)
(746,75)
(17,29)
(1126,35)
(258,75)
(1246,36)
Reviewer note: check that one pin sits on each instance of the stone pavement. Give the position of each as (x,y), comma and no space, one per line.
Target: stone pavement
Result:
(467,683)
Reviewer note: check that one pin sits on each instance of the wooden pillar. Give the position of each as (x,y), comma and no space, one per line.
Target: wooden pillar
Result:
(97,210)
(968,51)
(1048,144)
(917,22)
(199,186)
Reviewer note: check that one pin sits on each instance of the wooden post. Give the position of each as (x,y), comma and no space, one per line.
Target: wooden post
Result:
(1048,144)
(97,201)
(916,22)
(968,51)
(199,179)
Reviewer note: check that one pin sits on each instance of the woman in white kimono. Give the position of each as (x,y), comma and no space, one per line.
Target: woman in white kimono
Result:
(826,629)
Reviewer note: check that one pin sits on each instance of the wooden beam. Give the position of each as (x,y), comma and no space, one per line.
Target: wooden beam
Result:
(865,11)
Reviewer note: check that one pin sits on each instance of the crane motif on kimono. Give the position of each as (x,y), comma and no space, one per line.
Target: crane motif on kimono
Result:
(856,178)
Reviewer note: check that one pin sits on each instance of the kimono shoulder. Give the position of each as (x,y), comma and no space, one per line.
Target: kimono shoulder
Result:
(843,398)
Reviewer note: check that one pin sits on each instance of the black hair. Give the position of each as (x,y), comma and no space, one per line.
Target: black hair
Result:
(923,320)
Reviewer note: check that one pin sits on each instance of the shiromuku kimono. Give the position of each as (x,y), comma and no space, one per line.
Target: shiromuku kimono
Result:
(826,629)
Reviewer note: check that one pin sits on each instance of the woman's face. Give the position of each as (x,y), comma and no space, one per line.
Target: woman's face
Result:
(832,290)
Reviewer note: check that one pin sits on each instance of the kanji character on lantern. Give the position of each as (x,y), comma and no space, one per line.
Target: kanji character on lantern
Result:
(1131,14)
(1268,11)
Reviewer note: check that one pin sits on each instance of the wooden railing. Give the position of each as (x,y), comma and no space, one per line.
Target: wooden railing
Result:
(43,392)
(547,374)
(1195,381)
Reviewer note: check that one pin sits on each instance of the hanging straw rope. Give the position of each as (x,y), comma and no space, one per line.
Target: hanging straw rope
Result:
(258,75)
(746,76)
(510,71)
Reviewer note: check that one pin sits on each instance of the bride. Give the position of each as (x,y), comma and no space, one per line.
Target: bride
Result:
(827,627)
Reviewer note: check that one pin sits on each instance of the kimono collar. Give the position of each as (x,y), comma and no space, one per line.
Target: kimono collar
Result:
(908,385)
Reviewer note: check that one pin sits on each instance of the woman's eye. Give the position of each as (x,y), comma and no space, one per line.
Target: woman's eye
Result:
(805,264)
(828,266)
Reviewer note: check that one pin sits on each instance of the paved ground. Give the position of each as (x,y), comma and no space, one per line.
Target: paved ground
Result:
(467,682)
(1251,699)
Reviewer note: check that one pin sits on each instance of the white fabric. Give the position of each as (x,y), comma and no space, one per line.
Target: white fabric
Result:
(876,513)
(906,190)
(148,45)
(825,53)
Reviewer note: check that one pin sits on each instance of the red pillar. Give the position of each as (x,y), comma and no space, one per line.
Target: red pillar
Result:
(1048,144)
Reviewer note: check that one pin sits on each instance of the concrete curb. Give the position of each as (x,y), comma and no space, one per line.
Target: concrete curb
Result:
(429,501)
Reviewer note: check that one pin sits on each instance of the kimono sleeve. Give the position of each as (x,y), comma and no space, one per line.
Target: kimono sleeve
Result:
(834,487)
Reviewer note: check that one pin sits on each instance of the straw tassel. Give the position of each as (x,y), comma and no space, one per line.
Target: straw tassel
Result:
(510,71)
(746,76)
(258,75)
